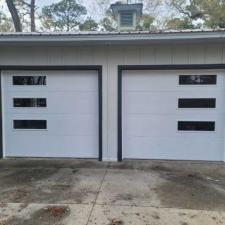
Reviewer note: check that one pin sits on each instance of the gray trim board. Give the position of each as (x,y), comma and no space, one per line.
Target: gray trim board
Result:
(111,38)
(1,132)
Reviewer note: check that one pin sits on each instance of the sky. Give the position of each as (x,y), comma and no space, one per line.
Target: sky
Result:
(94,11)
(47,2)
(89,4)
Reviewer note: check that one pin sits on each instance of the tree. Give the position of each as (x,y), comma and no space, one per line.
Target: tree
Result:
(32,8)
(6,24)
(88,25)
(65,15)
(147,22)
(179,24)
(152,5)
(15,15)
(189,8)
(108,23)
(211,12)
(214,13)
(20,10)
(102,8)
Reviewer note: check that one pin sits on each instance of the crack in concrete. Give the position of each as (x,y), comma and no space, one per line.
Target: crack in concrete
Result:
(97,194)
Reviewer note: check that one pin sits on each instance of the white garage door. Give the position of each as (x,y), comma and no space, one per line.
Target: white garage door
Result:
(50,114)
(173,115)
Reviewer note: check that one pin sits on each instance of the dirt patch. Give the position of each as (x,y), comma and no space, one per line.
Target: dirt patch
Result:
(116,222)
(46,216)
(24,176)
(191,191)
(49,191)
(51,163)
(147,166)
(38,185)
(124,197)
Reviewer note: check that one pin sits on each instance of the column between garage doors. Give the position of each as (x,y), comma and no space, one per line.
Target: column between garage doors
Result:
(36,113)
(163,129)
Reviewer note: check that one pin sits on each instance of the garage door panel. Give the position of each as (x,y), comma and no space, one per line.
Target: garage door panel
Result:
(150,115)
(56,80)
(157,102)
(73,102)
(71,115)
(148,102)
(166,125)
(82,81)
(52,146)
(167,81)
(140,81)
(173,148)
(61,124)
(70,125)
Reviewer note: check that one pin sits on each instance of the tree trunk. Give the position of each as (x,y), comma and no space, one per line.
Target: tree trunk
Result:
(32,16)
(15,15)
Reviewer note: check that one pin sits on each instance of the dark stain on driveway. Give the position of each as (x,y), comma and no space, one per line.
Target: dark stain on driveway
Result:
(52,215)
(26,175)
(192,190)
(41,185)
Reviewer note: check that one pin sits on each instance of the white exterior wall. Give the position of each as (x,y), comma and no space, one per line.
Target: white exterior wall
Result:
(110,57)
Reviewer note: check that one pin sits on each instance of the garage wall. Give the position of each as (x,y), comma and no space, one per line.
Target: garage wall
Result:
(110,58)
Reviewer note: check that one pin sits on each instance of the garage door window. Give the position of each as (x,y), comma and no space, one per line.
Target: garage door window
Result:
(29,80)
(29,102)
(196,126)
(197,103)
(197,79)
(30,124)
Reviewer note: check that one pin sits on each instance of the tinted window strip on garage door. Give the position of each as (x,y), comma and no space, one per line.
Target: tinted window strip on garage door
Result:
(196,126)
(197,103)
(30,124)
(29,80)
(29,102)
(197,79)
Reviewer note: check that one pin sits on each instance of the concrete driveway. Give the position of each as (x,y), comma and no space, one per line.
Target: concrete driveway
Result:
(76,192)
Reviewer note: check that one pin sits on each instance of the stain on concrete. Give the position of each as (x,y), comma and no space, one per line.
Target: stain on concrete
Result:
(40,185)
(155,216)
(191,190)
(177,184)
(52,163)
(184,223)
(124,197)
(25,176)
(52,215)
(116,222)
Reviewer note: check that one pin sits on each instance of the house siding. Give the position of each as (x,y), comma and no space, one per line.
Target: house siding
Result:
(110,57)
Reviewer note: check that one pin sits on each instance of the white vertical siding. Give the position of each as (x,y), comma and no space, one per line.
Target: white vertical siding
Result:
(213,54)
(147,55)
(163,55)
(116,57)
(110,57)
(180,55)
(196,54)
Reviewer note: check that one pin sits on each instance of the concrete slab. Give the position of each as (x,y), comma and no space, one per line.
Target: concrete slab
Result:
(42,214)
(123,215)
(129,187)
(131,192)
(169,184)
(49,185)
(52,163)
